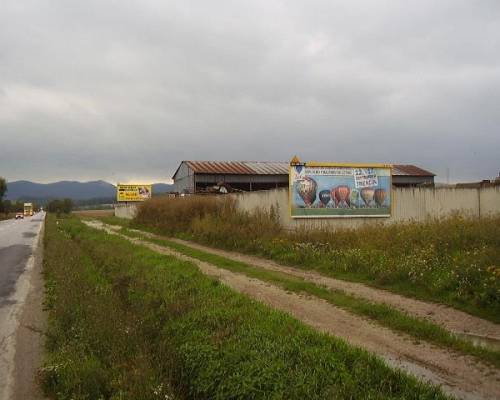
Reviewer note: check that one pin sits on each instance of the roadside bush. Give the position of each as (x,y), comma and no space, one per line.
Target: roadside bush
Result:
(454,260)
(234,229)
(176,214)
(212,218)
(60,206)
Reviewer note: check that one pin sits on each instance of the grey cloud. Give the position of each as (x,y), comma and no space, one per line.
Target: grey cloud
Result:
(124,90)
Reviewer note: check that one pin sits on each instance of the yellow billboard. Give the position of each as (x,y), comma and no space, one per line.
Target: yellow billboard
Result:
(133,192)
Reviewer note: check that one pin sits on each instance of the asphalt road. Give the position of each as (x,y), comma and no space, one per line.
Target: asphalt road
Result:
(19,240)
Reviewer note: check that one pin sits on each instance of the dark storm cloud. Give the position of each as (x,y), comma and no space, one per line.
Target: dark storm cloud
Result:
(124,90)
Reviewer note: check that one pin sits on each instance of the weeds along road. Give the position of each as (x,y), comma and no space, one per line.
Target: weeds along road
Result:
(19,279)
(454,320)
(458,374)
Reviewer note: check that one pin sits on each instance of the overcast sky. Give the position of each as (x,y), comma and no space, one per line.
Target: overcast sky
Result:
(124,90)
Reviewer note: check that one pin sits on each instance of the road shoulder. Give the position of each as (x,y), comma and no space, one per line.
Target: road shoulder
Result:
(30,335)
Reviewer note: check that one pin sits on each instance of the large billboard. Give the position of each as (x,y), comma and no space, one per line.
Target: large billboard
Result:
(327,190)
(133,192)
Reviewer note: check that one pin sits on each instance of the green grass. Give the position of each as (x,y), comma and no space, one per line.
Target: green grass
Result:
(385,315)
(453,261)
(128,323)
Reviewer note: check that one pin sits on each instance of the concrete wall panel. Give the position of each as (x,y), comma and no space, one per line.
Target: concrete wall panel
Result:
(127,211)
(490,201)
(409,204)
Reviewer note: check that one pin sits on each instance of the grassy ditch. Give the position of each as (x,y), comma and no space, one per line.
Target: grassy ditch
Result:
(4,217)
(383,314)
(126,322)
(453,261)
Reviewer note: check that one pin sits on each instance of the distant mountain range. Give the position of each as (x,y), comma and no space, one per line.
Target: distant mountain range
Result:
(26,190)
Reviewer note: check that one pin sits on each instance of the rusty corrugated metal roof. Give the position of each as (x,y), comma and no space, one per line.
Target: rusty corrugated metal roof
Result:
(238,167)
(276,168)
(409,170)
(269,168)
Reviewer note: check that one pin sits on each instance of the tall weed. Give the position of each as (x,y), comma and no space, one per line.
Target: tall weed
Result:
(454,260)
(177,214)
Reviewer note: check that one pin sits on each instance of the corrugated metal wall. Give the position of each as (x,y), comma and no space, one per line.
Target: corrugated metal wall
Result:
(184,181)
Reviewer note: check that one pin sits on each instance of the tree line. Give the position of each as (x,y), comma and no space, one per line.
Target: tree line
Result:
(58,206)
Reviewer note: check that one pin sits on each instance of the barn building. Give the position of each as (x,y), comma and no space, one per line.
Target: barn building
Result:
(410,175)
(197,176)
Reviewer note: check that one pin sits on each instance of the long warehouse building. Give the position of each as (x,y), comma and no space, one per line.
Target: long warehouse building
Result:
(197,176)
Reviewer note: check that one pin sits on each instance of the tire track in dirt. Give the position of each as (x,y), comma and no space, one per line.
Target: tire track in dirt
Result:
(454,320)
(459,375)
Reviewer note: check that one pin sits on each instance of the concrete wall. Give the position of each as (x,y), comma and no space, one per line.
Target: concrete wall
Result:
(490,201)
(417,204)
(126,211)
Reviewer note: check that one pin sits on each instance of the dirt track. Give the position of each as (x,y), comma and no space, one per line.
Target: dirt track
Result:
(452,319)
(459,375)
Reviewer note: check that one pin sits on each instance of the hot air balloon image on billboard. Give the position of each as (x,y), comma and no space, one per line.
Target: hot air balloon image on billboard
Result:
(324,197)
(355,197)
(341,194)
(367,195)
(337,190)
(380,195)
(306,188)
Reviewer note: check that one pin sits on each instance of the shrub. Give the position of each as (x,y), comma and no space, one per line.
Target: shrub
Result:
(176,214)
(60,206)
(213,217)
